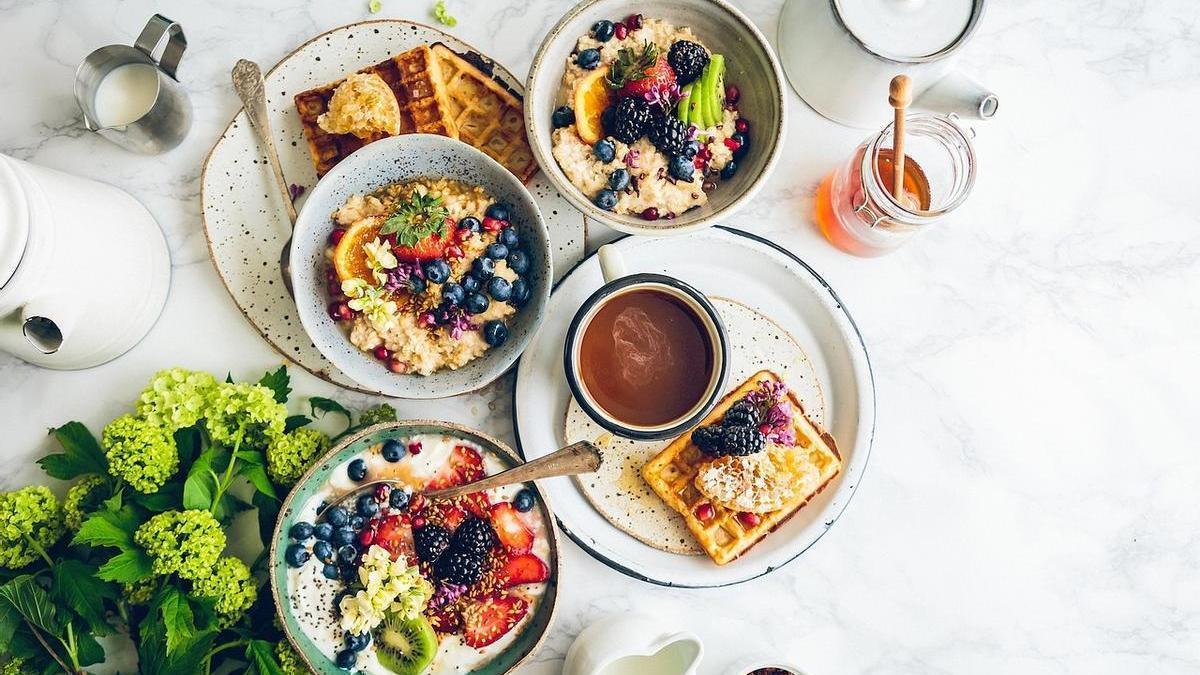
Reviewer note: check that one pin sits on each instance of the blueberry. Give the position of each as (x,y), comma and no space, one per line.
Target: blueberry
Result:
(518,261)
(588,59)
(470,223)
(343,536)
(330,571)
(470,285)
(323,532)
(454,294)
(499,289)
(367,506)
(437,271)
(618,180)
(357,523)
(346,659)
(743,144)
(604,150)
(296,555)
(496,251)
(606,199)
(729,170)
(301,531)
(495,333)
(499,211)
(681,168)
(603,30)
(691,149)
(482,268)
(399,499)
(323,550)
(563,116)
(520,293)
(349,572)
(358,642)
(523,501)
(347,553)
(337,515)
(393,450)
(416,284)
(357,471)
(476,303)
(509,237)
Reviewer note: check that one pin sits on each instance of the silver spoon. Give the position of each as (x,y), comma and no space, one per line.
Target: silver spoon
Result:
(577,458)
(249,85)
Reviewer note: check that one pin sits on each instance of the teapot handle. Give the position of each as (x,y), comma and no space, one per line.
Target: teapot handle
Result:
(959,94)
(152,36)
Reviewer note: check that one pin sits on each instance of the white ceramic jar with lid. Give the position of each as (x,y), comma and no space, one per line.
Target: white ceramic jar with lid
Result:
(840,55)
(84,268)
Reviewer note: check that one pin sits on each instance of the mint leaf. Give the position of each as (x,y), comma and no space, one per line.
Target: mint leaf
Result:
(127,567)
(278,382)
(75,585)
(109,528)
(82,454)
(320,406)
(261,656)
(31,601)
(178,620)
(199,488)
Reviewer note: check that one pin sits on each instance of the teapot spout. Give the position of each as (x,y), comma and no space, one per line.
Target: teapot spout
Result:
(46,323)
(41,332)
(958,94)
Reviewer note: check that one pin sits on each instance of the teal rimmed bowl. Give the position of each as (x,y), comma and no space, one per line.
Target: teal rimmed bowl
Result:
(315,479)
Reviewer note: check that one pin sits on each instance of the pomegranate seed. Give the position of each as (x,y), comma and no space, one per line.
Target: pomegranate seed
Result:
(330,274)
(463,234)
(492,225)
(397,366)
(732,144)
(366,537)
(418,522)
(633,21)
(427,319)
(742,125)
(382,353)
(670,215)
(405,519)
(382,492)
(749,519)
(414,448)
(340,311)
(335,290)
(732,94)
(621,31)
(704,511)
(764,429)
(336,235)
(650,213)
(454,252)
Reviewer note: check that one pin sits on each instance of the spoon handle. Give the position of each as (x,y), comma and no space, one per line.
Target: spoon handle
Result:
(581,457)
(249,85)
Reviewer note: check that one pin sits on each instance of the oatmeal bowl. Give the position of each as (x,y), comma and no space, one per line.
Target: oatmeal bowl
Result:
(658,117)
(421,267)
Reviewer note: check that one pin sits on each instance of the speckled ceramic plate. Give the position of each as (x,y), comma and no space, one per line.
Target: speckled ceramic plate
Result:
(776,284)
(244,220)
(535,630)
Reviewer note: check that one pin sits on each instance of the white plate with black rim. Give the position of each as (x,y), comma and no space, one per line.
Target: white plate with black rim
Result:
(766,278)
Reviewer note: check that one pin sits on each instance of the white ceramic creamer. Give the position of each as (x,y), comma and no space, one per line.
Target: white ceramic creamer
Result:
(632,644)
(84,268)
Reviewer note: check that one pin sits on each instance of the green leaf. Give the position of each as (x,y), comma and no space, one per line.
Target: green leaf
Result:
(294,422)
(31,601)
(113,503)
(229,378)
(189,441)
(75,585)
(278,382)
(178,620)
(443,15)
(229,507)
(416,219)
(127,567)
(320,406)
(109,528)
(83,454)
(268,513)
(10,620)
(198,488)
(257,475)
(88,651)
(261,656)
(169,496)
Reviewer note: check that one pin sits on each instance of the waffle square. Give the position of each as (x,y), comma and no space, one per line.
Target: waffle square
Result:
(672,475)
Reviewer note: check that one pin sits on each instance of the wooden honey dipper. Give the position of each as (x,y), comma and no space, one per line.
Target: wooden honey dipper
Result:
(900,97)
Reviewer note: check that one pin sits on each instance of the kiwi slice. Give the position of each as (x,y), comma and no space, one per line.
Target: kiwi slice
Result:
(681,110)
(405,646)
(695,106)
(713,90)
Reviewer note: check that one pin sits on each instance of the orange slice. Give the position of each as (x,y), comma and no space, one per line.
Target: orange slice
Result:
(591,98)
(349,257)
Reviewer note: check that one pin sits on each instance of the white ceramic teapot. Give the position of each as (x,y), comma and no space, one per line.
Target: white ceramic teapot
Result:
(632,644)
(840,55)
(84,268)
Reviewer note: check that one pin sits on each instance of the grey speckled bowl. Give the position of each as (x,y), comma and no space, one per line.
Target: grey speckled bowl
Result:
(750,65)
(396,159)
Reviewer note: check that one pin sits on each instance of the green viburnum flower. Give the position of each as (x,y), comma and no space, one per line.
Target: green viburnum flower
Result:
(388,586)
(380,259)
(139,592)
(187,543)
(177,398)
(246,412)
(289,455)
(290,662)
(140,452)
(372,301)
(15,666)
(31,521)
(84,497)
(232,586)
(376,415)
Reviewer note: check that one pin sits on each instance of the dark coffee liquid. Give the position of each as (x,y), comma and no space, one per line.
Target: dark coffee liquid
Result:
(646,358)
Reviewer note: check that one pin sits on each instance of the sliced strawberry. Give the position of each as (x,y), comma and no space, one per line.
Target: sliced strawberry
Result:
(429,248)
(444,619)
(463,466)
(491,617)
(510,529)
(525,568)
(658,78)
(447,514)
(395,536)
(477,504)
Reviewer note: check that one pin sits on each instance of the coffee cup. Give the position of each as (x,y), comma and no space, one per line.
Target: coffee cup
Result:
(647,355)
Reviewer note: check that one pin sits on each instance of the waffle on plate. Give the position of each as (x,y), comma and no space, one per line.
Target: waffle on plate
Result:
(727,533)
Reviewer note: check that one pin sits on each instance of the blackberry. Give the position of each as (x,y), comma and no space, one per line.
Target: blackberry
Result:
(475,535)
(431,542)
(459,567)
(688,60)
(668,134)
(630,118)
(710,440)
(742,441)
(741,414)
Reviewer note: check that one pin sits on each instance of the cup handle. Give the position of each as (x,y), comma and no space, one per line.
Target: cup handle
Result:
(612,264)
(152,36)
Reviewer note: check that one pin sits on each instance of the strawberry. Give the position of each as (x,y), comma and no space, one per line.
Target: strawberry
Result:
(490,618)
(464,466)
(525,568)
(447,514)
(510,529)
(444,619)
(429,248)
(476,503)
(652,82)
(395,536)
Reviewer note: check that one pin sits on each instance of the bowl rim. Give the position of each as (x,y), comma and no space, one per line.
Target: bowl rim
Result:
(501,446)
(346,166)
(549,165)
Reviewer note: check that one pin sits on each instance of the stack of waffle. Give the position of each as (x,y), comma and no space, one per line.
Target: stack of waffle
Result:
(726,534)
(439,92)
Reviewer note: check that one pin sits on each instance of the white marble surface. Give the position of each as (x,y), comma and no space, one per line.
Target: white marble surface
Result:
(1032,500)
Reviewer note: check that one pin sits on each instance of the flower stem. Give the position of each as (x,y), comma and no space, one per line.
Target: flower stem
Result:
(38,547)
